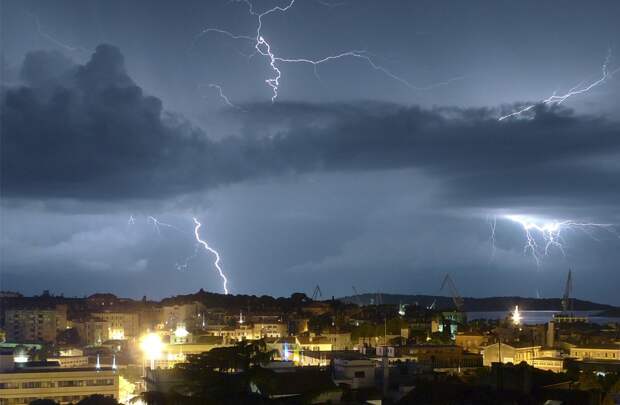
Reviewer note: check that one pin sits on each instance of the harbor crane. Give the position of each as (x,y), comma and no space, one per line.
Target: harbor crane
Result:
(456,298)
(317,293)
(568,289)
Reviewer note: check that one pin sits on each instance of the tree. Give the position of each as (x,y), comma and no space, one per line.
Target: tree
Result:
(613,394)
(161,398)
(588,381)
(224,375)
(98,399)
(68,337)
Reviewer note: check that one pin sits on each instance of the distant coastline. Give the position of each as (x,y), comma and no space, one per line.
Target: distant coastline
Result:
(481,304)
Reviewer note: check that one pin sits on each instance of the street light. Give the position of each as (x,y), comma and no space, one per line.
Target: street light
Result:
(152,347)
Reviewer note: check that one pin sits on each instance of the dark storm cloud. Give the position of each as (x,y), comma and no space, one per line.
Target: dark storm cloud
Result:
(88,131)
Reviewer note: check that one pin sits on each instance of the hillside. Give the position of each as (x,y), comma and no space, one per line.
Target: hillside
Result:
(478,304)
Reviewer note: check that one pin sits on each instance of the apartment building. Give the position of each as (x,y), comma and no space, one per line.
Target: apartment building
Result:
(34,324)
(121,325)
(63,385)
(596,352)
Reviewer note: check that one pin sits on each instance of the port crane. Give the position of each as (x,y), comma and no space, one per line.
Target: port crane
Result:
(317,293)
(568,289)
(456,298)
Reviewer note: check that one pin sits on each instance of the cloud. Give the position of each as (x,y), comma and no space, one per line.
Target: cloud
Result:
(89,132)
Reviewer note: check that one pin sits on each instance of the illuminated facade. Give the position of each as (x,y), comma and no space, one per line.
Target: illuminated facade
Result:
(64,386)
(555,364)
(121,325)
(505,353)
(596,352)
(188,314)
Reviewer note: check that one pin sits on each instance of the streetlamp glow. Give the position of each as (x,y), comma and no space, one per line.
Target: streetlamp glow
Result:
(516,316)
(152,347)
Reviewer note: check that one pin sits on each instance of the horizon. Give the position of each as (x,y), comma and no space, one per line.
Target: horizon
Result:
(60,294)
(235,147)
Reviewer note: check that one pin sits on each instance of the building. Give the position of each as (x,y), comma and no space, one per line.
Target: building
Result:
(596,352)
(353,370)
(270,329)
(315,343)
(35,324)
(287,348)
(471,341)
(555,364)
(71,358)
(506,353)
(188,314)
(339,340)
(443,356)
(92,331)
(63,385)
(121,325)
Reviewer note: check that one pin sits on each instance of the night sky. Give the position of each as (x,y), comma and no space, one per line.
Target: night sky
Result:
(384,169)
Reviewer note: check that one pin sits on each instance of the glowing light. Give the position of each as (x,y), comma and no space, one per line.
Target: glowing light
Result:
(550,233)
(216,263)
(180,332)
(20,357)
(116,334)
(578,89)
(152,347)
(516,316)
(263,47)
(98,365)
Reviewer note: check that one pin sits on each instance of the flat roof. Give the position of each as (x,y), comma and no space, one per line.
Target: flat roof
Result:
(336,354)
(611,346)
(55,370)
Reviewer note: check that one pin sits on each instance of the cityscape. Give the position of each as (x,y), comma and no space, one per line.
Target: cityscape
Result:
(309,202)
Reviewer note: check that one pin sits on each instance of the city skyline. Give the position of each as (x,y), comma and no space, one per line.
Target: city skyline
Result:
(342,144)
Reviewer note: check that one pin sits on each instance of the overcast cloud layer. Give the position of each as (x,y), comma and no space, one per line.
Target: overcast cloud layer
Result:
(376,193)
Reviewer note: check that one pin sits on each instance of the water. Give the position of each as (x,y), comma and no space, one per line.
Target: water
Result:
(538,317)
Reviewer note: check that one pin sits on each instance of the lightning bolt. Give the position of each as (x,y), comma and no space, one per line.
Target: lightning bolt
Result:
(222,95)
(550,234)
(216,263)
(492,225)
(52,39)
(158,224)
(263,47)
(580,88)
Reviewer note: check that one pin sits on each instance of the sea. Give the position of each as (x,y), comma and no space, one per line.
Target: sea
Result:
(539,317)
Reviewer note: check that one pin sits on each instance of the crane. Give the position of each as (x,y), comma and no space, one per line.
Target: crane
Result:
(568,289)
(456,298)
(317,293)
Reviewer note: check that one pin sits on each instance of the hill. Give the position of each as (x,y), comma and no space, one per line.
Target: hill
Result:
(478,304)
